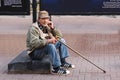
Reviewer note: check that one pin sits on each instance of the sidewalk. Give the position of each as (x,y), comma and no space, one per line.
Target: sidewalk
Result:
(67,24)
(97,38)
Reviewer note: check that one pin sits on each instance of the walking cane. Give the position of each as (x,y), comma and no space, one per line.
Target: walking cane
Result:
(82,56)
(79,53)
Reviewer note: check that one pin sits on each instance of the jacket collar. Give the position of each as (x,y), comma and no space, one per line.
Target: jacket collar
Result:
(36,25)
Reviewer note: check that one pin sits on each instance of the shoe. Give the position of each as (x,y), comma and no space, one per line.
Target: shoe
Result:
(67,65)
(60,71)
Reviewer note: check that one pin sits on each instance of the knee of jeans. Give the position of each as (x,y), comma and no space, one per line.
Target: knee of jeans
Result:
(63,40)
(51,46)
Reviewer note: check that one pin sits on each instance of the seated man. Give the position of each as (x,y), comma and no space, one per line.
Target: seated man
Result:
(44,39)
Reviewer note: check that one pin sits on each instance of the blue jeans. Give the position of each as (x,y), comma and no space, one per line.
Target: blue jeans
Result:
(56,51)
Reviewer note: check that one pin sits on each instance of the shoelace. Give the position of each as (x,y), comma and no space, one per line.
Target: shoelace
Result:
(61,71)
(66,65)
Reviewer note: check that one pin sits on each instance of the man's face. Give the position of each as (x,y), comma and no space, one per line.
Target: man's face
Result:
(43,21)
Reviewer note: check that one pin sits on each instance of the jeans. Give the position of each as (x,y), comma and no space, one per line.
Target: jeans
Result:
(56,51)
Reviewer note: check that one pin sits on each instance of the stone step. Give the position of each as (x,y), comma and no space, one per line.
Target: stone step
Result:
(23,64)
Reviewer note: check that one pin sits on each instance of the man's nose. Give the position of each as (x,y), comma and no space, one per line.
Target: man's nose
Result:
(46,20)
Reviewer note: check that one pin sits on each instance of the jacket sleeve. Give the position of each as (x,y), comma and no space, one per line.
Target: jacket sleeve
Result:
(35,40)
(57,33)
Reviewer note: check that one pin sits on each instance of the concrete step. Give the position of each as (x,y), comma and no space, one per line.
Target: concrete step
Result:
(23,64)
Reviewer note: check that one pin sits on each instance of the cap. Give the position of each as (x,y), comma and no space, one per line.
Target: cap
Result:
(43,14)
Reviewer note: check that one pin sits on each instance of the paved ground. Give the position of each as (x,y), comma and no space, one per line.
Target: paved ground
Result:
(95,37)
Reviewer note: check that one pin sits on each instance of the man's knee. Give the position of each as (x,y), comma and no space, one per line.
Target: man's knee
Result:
(51,46)
(62,40)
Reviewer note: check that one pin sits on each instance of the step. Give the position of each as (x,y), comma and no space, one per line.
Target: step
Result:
(24,64)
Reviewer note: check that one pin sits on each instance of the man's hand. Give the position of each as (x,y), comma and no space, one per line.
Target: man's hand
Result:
(50,24)
(53,40)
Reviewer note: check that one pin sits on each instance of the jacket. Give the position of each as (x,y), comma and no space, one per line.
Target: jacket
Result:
(37,39)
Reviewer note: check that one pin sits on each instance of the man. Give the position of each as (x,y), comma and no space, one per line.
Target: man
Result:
(43,39)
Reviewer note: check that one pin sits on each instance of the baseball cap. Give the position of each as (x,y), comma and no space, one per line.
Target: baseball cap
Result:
(43,14)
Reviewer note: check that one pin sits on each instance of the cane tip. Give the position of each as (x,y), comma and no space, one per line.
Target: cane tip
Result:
(104,71)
